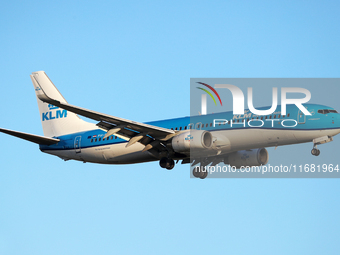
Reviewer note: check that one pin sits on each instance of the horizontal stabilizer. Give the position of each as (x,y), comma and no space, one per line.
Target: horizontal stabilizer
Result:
(32,138)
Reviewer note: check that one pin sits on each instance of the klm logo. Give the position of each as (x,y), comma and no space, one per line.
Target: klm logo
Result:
(188,138)
(52,107)
(51,115)
(245,156)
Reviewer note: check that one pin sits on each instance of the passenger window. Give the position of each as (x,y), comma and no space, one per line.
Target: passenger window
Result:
(206,125)
(288,115)
(210,124)
(279,116)
(95,140)
(99,139)
(274,116)
(180,128)
(176,128)
(185,128)
(91,140)
(261,118)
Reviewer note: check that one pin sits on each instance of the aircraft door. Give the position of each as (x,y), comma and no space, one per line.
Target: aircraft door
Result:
(77,146)
(301,118)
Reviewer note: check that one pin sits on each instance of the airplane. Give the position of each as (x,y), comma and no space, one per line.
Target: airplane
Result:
(204,139)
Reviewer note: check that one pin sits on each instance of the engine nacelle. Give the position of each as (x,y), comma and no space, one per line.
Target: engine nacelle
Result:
(193,140)
(255,157)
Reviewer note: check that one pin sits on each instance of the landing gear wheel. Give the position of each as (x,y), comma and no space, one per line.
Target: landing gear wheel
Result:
(204,175)
(199,173)
(167,163)
(171,164)
(196,172)
(315,152)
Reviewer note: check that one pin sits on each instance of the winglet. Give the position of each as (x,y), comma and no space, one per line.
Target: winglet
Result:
(55,122)
(40,89)
(48,93)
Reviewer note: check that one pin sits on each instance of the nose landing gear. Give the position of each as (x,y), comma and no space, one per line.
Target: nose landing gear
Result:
(320,140)
(315,151)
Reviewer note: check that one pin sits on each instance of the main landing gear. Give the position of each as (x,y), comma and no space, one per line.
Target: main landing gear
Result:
(167,163)
(200,172)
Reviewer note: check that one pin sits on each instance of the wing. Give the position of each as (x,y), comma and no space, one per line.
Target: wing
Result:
(129,130)
(32,138)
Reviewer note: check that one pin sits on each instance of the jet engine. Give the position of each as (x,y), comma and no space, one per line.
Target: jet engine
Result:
(255,157)
(193,140)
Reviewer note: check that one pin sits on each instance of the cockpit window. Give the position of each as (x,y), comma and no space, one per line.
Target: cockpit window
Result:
(325,111)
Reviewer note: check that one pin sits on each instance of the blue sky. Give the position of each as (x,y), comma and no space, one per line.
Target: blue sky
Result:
(134,59)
